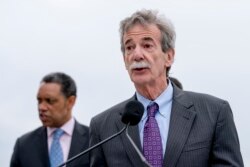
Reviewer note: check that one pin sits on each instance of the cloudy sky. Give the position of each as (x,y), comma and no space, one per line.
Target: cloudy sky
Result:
(81,38)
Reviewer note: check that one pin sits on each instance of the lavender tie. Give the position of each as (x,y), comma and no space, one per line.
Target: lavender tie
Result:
(152,146)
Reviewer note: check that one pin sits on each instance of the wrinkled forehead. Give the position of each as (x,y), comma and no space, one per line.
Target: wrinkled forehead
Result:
(142,32)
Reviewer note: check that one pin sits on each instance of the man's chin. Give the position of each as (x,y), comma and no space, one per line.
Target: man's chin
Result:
(139,81)
(46,124)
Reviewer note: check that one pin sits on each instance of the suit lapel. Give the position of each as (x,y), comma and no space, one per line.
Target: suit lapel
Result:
(41,145)
(181,120)
(182,117)
(77,143)
(134,134)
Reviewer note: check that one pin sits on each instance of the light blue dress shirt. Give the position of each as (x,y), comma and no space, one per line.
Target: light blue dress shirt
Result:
(162,117)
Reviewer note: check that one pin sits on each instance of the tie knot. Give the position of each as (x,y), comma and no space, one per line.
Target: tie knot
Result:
(152,109)
(57,134)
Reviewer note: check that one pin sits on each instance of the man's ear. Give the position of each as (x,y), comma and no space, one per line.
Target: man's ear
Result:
(71,101)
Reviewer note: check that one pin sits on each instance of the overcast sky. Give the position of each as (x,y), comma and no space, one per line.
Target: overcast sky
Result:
(81,38)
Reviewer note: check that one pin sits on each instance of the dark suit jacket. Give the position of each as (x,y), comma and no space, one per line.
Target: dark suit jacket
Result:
(31,150)
(202,133)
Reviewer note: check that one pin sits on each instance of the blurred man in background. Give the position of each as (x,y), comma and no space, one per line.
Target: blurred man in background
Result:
(61,136)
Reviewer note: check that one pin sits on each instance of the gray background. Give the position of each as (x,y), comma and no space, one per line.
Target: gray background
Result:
(81,38)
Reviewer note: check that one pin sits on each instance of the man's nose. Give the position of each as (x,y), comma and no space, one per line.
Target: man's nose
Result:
(138,54)
(42,106)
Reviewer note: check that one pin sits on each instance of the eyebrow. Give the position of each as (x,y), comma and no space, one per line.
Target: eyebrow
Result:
(127,41)
(147,39)
(144,39)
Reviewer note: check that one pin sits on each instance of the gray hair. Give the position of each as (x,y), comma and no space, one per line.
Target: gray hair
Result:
(68,86)
(147,17)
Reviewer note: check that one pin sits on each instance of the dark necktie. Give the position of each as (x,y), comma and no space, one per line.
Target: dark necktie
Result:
(56,153)
(152,146)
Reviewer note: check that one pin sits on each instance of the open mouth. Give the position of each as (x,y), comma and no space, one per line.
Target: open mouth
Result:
(43,117)
(139,69)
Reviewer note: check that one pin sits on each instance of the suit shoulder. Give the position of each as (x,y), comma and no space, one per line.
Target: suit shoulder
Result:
(82,128)
(203,103)
(82,125)
(111,112)
(206,98)
(85,127)
(29,136)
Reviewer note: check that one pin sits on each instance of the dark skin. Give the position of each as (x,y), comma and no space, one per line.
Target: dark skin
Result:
(54,108)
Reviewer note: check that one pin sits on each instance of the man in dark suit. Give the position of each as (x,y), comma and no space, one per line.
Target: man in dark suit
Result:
(176,82)
(56,97)
(178,128)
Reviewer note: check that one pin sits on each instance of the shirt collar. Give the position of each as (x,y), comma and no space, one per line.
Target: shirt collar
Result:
(164,99)
(67,127)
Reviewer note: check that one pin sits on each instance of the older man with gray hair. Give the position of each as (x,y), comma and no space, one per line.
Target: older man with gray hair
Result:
(178,128)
